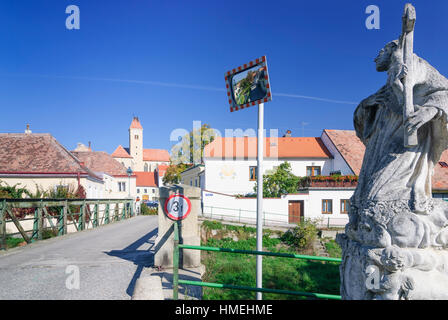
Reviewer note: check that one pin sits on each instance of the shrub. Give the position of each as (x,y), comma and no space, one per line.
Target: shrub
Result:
(333,249)
(302,236)
(212,225)
(147,211)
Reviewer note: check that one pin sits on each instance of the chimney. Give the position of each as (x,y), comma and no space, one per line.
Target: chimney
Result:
(27,130)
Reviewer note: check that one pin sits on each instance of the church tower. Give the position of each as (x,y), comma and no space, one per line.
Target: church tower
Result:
(136,144)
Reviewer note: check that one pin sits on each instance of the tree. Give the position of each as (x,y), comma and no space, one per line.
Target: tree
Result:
(279,182)
(191,148)
(172,174)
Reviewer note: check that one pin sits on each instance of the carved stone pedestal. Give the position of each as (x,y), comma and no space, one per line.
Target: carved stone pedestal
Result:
(391,253)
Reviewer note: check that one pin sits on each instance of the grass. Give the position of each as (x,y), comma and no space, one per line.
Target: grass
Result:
(278,273)
(333,249)
(13,242)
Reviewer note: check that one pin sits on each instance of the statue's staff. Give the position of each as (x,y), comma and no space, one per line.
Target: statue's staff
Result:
(407,44)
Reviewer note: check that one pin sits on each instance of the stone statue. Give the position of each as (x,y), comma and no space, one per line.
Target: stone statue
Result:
(394,223)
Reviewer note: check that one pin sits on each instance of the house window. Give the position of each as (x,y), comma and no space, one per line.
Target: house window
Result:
(252,173)
(146,190)
(121,186)
(345,204)
(191,182)
(138,190)
(136,137)
(195,182)
(327,206)
(312,171)
(153,190)
(146,167)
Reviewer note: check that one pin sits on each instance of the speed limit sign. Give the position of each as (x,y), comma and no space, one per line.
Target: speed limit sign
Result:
(177,206)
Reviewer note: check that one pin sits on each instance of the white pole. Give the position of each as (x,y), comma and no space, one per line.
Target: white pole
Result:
(260,198)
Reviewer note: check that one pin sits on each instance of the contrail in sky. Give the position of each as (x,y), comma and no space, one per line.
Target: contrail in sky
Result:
(176,85)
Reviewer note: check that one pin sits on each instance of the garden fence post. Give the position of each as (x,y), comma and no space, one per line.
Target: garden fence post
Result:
(39,221)
(106,218)
(96,214)
(61,221)
(65,216)
(82,212)
(176,262)
(3,226)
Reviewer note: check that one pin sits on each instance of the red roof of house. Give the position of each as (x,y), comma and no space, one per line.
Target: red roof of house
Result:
(135,124)
(100,161)
(440,177)
(37,153)
(145,179)
(161,169)
(156,155)
(120,152)
(284,147)
(349,146)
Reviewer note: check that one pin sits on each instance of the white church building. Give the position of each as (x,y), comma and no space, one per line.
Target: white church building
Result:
(136,156)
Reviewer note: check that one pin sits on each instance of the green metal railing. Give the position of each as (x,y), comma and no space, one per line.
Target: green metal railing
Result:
(59,214)
(176,280)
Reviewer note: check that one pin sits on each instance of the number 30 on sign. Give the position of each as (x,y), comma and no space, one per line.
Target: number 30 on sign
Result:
(177,207)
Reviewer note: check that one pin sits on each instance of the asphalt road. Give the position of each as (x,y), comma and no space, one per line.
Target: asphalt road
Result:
(109,259)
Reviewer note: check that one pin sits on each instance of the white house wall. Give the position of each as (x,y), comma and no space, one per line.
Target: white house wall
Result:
(220,206)
(232,176)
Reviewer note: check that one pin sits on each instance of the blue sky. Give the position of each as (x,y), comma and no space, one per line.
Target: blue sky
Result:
(164,61)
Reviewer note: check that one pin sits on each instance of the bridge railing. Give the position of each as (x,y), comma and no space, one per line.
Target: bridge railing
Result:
(36,219)
(177,281)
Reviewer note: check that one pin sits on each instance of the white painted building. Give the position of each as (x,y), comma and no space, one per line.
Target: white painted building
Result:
(193,176)
(230,177)
(147,189)
(136,156)
(117,183)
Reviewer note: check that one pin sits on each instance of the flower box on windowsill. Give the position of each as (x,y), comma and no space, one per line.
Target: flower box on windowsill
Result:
(329,182)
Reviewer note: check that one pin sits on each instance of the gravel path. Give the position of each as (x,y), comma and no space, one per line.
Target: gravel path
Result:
(109,259)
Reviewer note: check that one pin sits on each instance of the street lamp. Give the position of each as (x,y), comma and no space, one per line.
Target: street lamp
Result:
(129,172)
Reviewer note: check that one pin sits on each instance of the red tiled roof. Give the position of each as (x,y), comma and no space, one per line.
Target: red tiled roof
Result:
(440,177)
(161,169)
(156,155)
(135,124)
(120,152)
(100,161)
(145,179)
(350,147)
(284,147)
(36,153)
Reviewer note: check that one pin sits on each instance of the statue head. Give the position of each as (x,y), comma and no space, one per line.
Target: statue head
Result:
(384,58)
